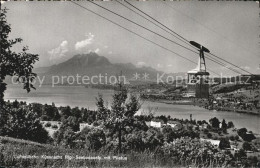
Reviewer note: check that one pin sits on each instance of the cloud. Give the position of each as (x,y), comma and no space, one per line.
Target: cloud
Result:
(97,50)
(110,52)
(105,46)
(141,64)
(170,65)
(82,44)
(59,52)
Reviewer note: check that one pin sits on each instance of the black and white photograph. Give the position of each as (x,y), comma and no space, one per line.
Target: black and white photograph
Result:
(129,83)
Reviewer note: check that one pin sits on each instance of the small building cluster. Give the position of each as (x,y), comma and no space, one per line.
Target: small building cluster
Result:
(159,124)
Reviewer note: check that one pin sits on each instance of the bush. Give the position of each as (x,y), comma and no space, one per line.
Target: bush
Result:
(245,136)
(24,124)
(240,154)
(54,126)
(95,139)
(44,118)
(236,137)
(247,146)
(48,124)
(232,138)
(224,143)
(206,131)
(214,122)
(230,124)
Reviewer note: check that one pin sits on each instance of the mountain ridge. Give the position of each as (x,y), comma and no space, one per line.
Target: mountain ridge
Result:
(92,64)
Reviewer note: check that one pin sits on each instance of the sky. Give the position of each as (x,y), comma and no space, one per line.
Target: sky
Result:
(59,30)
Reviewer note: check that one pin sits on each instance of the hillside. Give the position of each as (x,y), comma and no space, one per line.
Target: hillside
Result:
(23,153)
(92,64)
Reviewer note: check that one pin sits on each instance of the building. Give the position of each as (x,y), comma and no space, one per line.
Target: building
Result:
(84,125)
(213,142)
(156,124)
(175,124)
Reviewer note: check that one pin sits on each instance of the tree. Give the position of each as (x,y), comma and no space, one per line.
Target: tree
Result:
(24,124)
(66,112)
(224,143)
(230,124)
(214,122)
(121,115)
(240,154)
(241,132)
(12,63)
(169,133)
(224,124)
(70,123)
(51,112)
(95,139)
(102,111)
(76,112)
(247,146)
(245,136)
(65,137)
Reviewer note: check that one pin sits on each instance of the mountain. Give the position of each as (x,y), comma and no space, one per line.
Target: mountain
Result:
(93,65)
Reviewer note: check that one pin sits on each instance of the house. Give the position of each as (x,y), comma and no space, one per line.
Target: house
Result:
(83,125)
(156,124)
(204,126)
(213,142)
(174,124)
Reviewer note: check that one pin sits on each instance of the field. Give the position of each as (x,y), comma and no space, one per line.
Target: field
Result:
(13,153)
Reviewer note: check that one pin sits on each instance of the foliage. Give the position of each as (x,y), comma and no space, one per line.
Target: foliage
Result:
(12,63)
(95,139)
(102,111)
(50,112)
(240,154)
(54,126)
(65,137)
(224,143)
(214,122)
(247,146)
(187,151)
(245,136)
(48,124)
(224,125)
(209,135)
(184,152)
(141,144)
(230,124)
(24,124)
(121,115)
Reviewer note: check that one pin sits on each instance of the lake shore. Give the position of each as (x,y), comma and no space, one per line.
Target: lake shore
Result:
(203,105)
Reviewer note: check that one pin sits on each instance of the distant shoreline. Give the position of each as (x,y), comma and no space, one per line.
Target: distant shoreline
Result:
(185,102)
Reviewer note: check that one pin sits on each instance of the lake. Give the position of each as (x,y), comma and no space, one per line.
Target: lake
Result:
(85,97)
